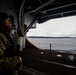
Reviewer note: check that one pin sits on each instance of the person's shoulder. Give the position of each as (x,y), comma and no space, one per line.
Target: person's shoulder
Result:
(3,36)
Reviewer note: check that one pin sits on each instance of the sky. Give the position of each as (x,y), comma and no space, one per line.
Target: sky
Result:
(59,27)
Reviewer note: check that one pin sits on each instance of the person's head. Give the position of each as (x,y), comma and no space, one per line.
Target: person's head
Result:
(5,21)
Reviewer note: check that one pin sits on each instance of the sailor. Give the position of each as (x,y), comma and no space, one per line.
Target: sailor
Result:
(10,61)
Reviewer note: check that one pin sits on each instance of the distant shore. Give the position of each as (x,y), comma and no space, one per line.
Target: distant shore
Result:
(49,37)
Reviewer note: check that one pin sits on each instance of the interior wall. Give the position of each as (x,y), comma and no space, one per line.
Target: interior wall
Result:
(7,6)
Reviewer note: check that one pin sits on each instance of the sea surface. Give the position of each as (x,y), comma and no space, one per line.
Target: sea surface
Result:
(61,44)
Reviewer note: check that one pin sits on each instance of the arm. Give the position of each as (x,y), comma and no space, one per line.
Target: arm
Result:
(2,48)
(6,62)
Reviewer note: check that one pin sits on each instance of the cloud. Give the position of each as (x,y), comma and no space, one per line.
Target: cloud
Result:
(56,27)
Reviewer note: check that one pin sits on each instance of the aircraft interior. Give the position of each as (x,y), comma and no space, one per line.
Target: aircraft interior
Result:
(25,14)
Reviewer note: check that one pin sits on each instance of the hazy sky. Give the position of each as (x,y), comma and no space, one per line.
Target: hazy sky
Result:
(60,27)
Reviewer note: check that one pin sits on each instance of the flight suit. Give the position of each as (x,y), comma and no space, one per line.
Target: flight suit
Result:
(8,65)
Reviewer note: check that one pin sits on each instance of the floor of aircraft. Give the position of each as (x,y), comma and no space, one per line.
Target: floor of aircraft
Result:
(31,71)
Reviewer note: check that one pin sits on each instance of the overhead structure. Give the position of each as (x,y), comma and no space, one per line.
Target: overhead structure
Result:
(44,10)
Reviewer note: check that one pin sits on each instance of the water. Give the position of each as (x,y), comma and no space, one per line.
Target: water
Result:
(67,44)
